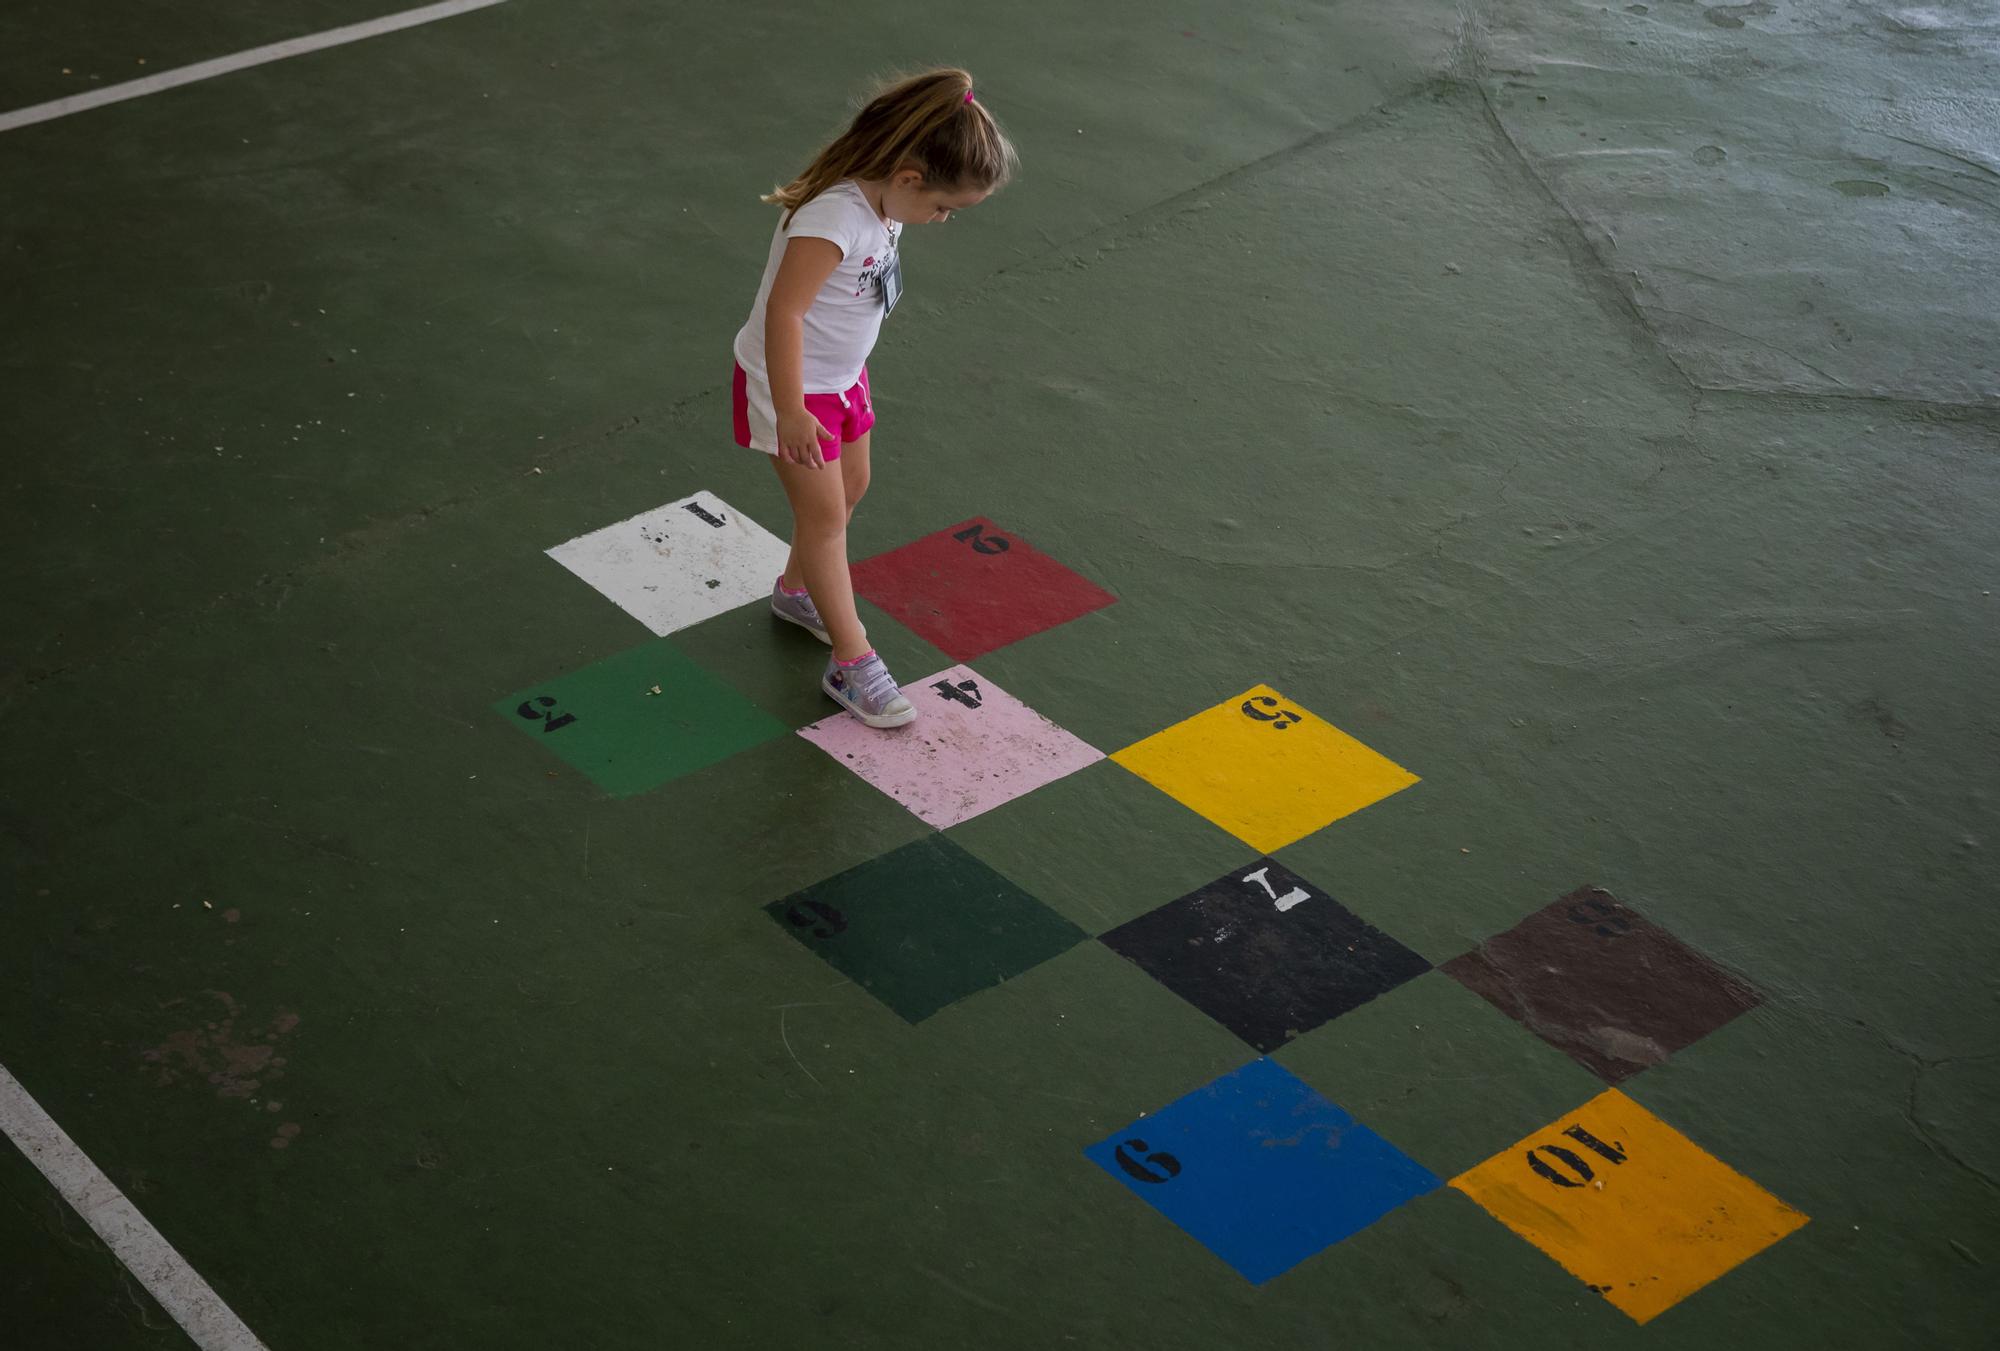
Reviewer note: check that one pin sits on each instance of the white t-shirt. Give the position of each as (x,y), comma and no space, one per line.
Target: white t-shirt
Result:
(846,316)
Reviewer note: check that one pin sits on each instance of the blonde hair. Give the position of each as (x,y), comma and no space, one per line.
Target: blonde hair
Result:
(924,122)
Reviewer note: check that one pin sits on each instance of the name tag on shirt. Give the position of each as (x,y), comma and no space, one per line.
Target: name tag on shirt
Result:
(891,283)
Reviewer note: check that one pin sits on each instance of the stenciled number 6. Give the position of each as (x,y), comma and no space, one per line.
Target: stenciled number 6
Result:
(1169,1166)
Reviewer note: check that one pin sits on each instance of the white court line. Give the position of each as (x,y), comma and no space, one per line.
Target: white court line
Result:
(223,65)
(164,1272)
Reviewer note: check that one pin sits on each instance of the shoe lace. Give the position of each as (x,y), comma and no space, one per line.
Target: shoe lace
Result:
(877,687)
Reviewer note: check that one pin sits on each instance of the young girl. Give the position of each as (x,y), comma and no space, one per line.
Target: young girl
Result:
(922,149)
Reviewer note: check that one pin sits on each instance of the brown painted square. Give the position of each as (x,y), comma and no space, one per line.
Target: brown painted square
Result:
(1602,983)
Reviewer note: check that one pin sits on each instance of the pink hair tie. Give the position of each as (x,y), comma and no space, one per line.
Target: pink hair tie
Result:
(968,96)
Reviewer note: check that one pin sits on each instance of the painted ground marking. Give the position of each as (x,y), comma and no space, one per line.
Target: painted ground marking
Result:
(1603,984)
(168,1278)
(972,747)
(607,721)
(1264,769)
(924,926)
(1265,953)
(678,564)
(223,65)
(972,587)
(1628,1205)
(1260,1169)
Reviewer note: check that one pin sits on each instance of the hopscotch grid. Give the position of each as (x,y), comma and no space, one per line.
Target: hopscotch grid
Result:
(154,1262)
(243,60)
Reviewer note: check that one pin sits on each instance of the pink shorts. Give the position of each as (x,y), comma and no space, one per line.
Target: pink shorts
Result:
(843,418)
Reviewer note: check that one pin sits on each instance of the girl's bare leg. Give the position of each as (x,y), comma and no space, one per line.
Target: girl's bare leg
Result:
(820,511)
(853,464)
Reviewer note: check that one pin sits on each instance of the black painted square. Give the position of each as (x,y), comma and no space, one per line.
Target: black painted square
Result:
(1266,954)
(1602,983)
(924,926)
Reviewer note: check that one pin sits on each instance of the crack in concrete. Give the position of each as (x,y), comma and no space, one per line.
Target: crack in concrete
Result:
(1469,71)
(1747,337)
(1920,1066)
(1499,500)
(1139,217)
(1925,410)
(1986,169)
(1614,299)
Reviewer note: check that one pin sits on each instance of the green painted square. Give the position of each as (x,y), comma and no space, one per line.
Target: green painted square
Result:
(924,926)
(607,722)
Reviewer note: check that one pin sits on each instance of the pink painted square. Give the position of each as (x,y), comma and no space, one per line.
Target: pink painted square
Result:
(972,747)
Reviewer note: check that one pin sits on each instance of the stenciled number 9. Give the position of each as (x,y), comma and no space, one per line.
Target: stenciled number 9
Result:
(1169,1166)
(809,915)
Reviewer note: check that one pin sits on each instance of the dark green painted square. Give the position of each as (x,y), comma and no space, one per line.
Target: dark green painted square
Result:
(606,721)
(924,926)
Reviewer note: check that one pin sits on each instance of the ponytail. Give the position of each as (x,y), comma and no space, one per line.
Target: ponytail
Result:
(928,122)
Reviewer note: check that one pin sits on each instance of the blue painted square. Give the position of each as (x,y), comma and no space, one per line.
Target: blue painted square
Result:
(1261,1170)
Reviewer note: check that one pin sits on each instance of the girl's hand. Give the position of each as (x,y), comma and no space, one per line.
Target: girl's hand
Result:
(799,435)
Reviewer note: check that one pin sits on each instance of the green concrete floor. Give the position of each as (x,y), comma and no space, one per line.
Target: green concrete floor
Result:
(1592,409)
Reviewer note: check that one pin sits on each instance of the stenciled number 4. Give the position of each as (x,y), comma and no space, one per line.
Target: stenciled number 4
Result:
(964,692)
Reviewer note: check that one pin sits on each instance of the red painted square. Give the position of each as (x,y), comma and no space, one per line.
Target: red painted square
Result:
(973,587)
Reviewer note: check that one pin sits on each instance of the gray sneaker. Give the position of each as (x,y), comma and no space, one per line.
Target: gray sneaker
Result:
(798,610)
(867,691)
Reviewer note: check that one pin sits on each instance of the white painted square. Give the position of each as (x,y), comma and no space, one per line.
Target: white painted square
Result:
(960,757)
(678,564)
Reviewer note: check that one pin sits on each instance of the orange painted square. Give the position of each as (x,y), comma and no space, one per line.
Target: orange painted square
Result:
(1645,1232)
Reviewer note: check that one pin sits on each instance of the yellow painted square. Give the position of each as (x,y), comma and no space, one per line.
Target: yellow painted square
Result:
(1264,769)
(1646,1232)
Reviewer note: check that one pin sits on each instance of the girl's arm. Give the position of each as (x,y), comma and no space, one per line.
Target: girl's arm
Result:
(807,263)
